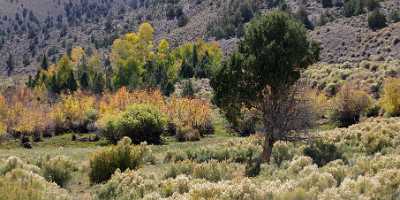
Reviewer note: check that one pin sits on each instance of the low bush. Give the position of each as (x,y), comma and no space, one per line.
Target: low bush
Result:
(20,184)
(126,185)
(322,153)
(58,169)
(348,106)
(212,171)
(140,122)
(390,101)
(122,156)
(281,152)
(16,163)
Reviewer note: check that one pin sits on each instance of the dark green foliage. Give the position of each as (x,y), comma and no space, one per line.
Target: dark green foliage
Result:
(10,64)
(253,166)
(58,170)
(376,20)
(273,47)
(45,63)
(84,80)
(187,71)
(99,82)
(261,74)
(183,20)
(372,4)
(128,76)
(326,3)
(323,153)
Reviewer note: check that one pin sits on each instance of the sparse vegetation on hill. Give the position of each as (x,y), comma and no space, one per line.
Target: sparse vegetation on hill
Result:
(114,111)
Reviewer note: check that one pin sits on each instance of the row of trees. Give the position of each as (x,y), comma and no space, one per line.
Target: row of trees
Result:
(135,63)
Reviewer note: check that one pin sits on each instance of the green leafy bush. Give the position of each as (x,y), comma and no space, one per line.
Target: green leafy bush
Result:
(58,169)
(140,122)
(323,153)
(123,156)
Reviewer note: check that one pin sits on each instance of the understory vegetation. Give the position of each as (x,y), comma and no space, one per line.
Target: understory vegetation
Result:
(349,163)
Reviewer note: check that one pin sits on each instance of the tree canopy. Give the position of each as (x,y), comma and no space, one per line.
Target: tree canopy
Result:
(264,69)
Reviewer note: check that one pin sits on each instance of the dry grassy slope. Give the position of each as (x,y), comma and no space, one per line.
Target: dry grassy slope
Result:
(351,40)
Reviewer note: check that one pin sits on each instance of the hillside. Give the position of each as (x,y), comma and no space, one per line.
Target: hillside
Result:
(30,29)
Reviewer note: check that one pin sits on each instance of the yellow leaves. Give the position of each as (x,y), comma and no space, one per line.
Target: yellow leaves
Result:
(77,54)
(189,112)
(26,112)
(72,109)
(113,103)
(390,100)
(146,32)
(163,46)
(94,62)
(133,47)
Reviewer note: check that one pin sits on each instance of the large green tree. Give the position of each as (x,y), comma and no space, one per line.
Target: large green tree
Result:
(263,73)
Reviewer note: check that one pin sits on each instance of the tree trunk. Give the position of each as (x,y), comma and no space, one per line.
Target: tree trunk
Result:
(267,148)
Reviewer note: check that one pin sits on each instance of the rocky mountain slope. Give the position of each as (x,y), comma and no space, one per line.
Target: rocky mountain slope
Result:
(29,29)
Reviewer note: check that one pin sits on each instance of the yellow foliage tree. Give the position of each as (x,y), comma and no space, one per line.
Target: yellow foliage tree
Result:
(77,54)
(390,100)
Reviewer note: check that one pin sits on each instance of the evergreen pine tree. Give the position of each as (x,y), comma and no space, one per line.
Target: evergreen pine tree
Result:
(98,83)
(45,62)
(71,84)
(84,80)
(10,65)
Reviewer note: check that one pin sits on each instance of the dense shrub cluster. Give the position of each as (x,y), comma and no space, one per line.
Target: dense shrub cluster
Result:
(368,76)
(58,170)
(371,136)
(323,153)
(25,112)
(187,118)
(21,184)
(140,122)
(21,180)
(122,156)
(299,179)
